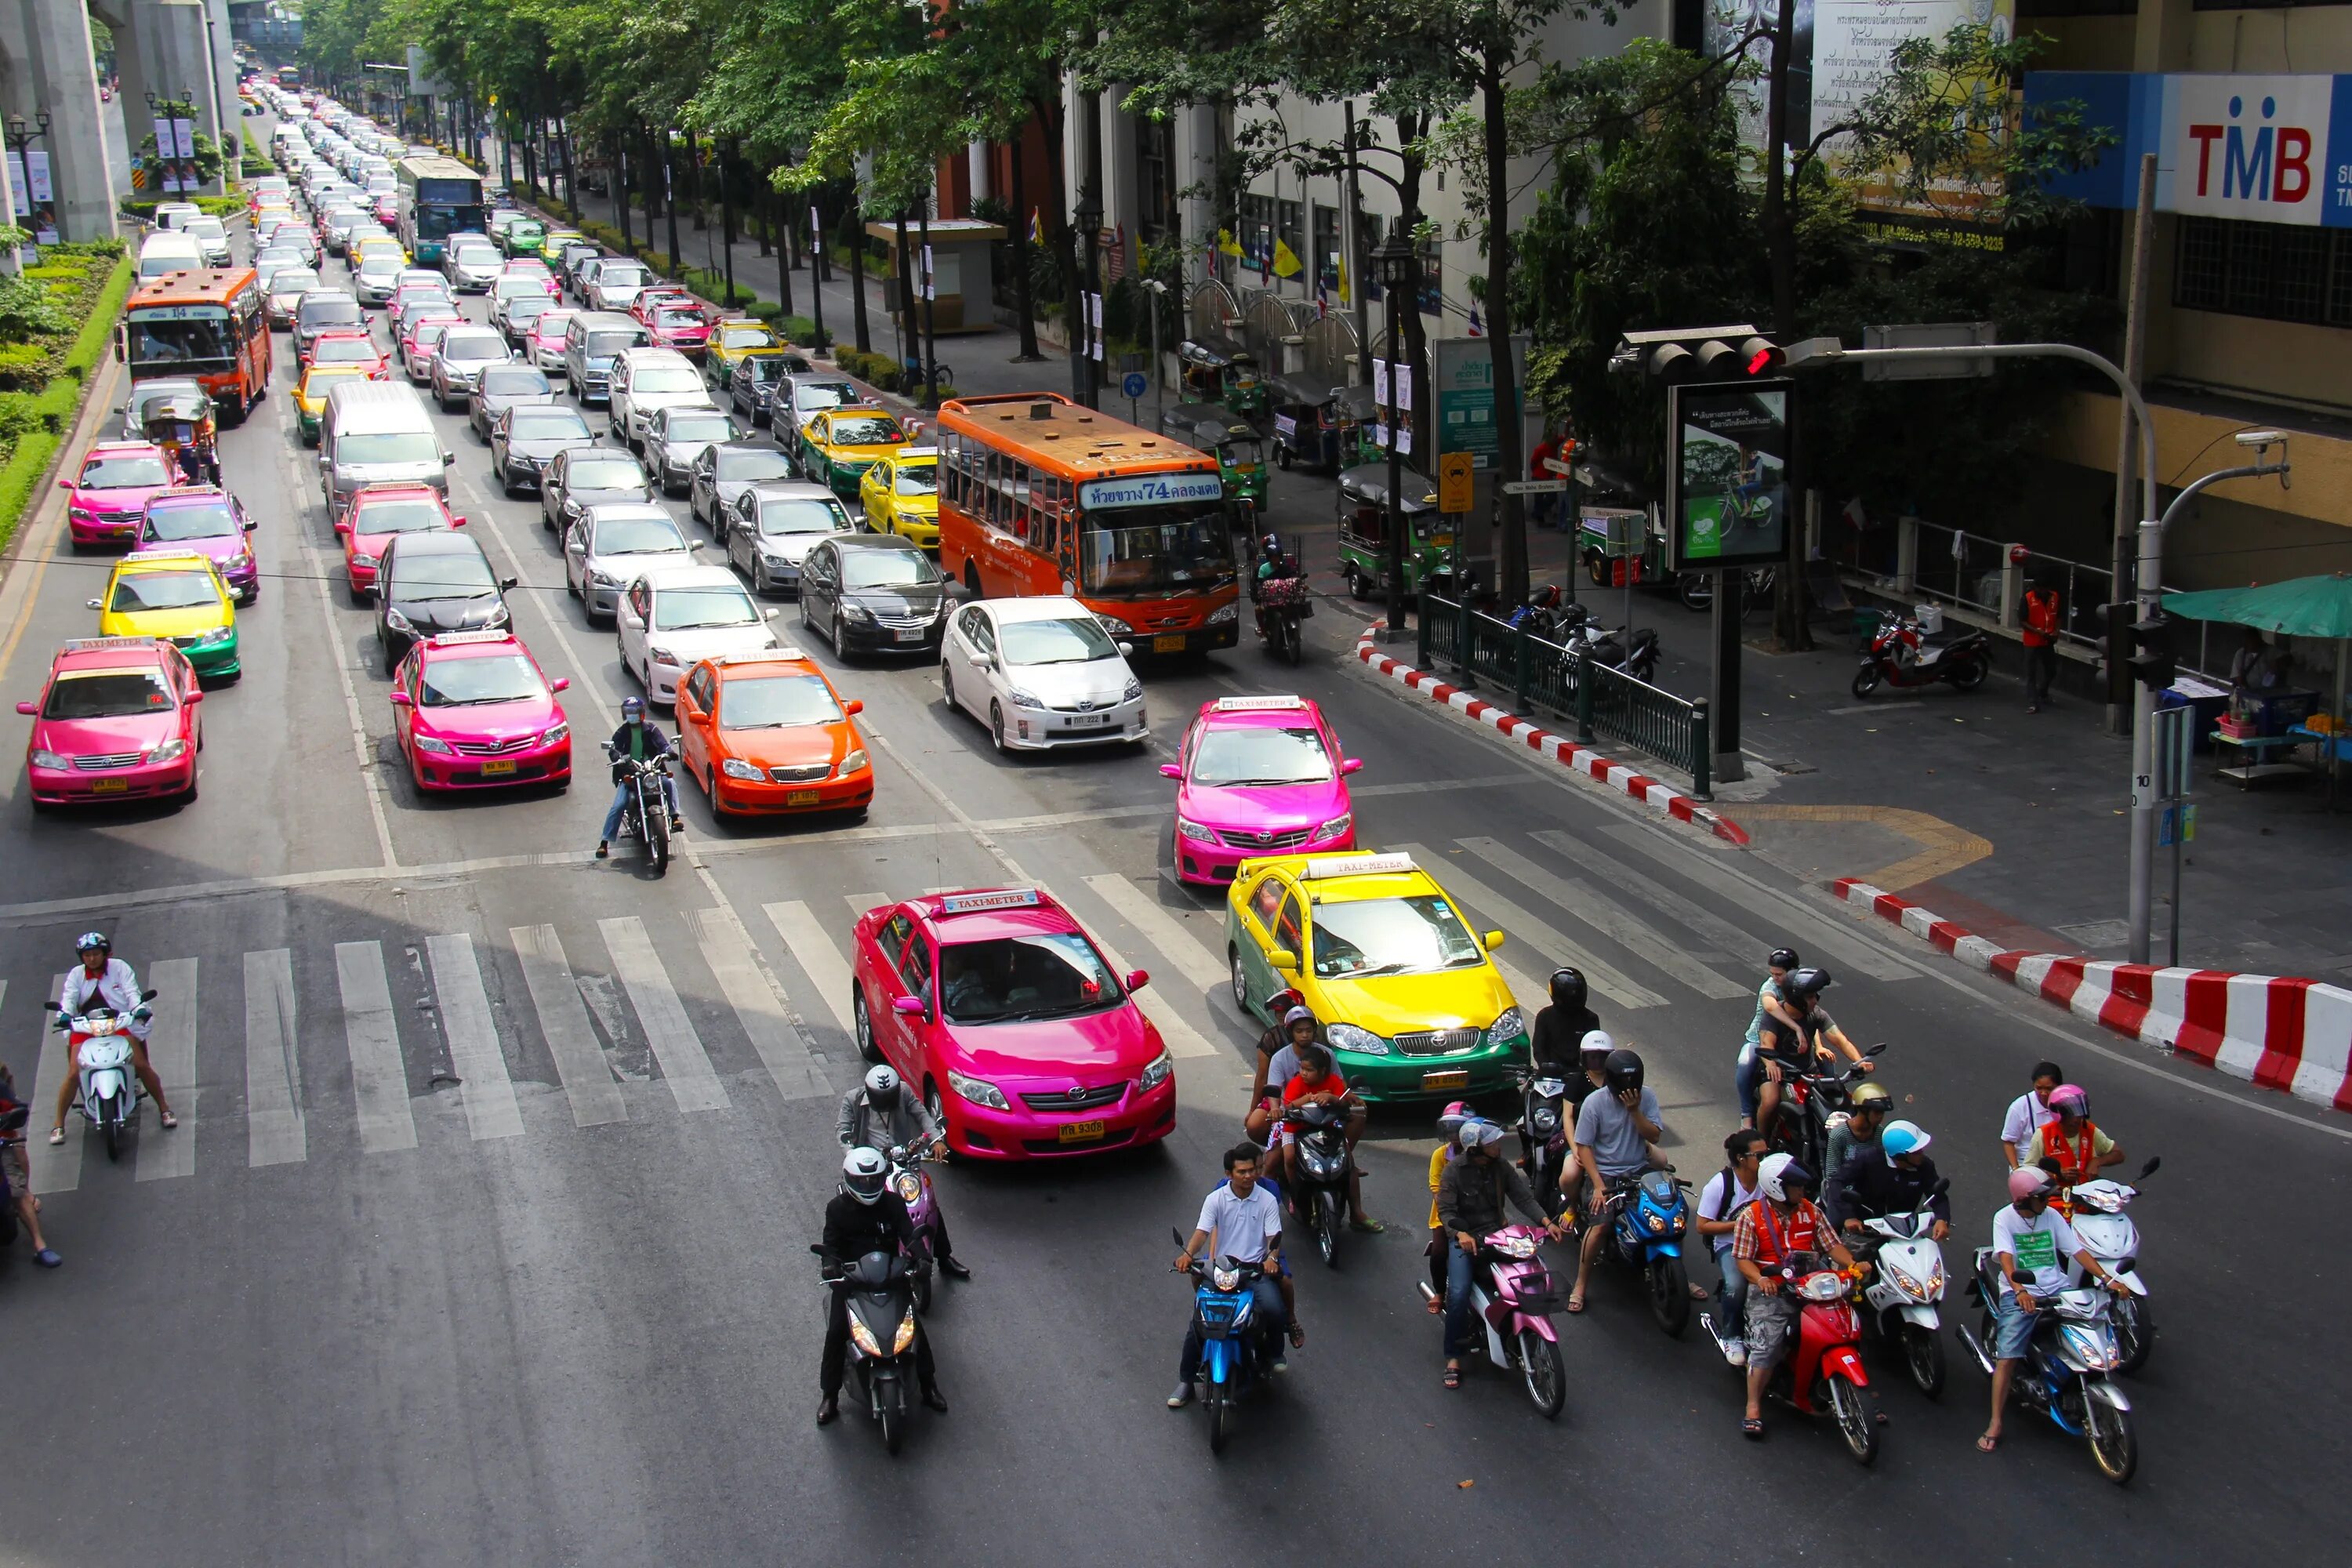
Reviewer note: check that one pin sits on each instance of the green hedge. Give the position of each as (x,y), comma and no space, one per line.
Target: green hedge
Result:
(22,471)
(98,331)
(37,424)
(213,206)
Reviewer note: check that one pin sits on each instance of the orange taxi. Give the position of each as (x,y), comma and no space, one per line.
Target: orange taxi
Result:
(765,734)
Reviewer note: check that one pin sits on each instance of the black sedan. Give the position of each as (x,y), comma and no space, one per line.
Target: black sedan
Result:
(433,581)
(583,477)
(503,387)
(524,440)
(874,592)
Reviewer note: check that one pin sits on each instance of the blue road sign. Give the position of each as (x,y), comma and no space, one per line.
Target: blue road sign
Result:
(1133,385)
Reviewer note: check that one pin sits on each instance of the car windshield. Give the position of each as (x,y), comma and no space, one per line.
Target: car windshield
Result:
(292,280)
(745,337)
(1410,935)
(607,474)
(344,351)
(164,591)
(881,430)
(604,346)
(751,465)
(413,447)
(321,379)
(1080,641)
(700,428)
(622,275)
(548,425)
(886,569)
(487,678)
(811,396)
(454,574)
(692,608)
(637,536)
(1050,975)
(776,702)
(191,519)
(335,311)
(666,378)
(526,310)
(514,381)
(765,367)
(1154,551)
(418,516)
(478,255)
(1259,755)
(124,473)
(379,264)
(916,479)
(474,346)
(428,333)
(677,316)
(106,694)
(798,516)
(549,324)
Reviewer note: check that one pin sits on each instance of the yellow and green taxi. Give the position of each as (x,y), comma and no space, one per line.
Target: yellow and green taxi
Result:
(176,595)
(840,444)
(1400,980)
(310,395)
(734,340)
(901,495)
(372,243)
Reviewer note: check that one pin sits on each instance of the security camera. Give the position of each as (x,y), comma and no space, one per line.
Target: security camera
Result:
(2260,437)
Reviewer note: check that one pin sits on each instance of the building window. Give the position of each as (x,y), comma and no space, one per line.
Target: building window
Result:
(1326,260)
(1256,236)
(2281,272)
(1155,178)
(1291,217)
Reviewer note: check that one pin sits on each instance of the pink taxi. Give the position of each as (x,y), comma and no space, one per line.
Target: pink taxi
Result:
(677,321)
(1258,775)
(544,345)
(1013,1027)
(109,493)
(472,710)
(116,722)
(530,267)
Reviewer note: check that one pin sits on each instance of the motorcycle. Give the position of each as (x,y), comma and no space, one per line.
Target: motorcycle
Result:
(2066,1371)
(1236,1350)
(648,816)
(1821,1374)
(881,1313)
(1963,661)
(1632,650)
(1696,589)
(1905,1287)
(2109,1236)
(100,1042)
(1810,1104)
(913,1186)
(1543,1137)
(1282,603)
(1512,1299)
(1645,1219)
(1321,1196)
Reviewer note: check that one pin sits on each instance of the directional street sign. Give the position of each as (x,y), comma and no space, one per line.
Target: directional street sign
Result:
(1133,385)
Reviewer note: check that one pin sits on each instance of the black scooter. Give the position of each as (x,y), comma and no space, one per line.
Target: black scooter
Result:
(882,1330)
(1321,1198)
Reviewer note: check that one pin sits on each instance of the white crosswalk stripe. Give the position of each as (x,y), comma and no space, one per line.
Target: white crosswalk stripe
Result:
(1660,951)
(379,1076)
(1719,933)
(52,1169)
(172,1052)
(481,1065)
(861,902)
(588,1081)
(1180,1037)
(759,1005)
(685,1065)
(273,1130)
(1605,978)
(819,959)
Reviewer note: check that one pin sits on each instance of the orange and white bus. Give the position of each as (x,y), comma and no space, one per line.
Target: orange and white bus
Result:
(206,323)
(1038,495)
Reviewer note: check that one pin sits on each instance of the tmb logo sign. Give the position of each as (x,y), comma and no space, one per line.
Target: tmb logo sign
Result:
(2247,146)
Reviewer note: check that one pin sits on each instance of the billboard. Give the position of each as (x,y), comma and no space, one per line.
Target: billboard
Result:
(1728,501)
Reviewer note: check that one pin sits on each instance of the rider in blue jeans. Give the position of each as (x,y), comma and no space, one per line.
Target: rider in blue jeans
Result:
(642,742)
(1472,1196)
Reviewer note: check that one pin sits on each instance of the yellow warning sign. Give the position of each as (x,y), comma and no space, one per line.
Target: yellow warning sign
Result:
(1454,482)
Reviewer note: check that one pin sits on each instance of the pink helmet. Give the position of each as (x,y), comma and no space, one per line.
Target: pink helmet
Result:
(1450,1120)
(2027,1181)
(2070,1099)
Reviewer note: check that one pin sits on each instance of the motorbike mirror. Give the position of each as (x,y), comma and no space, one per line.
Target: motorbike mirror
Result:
(53,1006)
(909,1006)
(1943,1184)
(149,995)
(1492,938)
(1167,770)
(1351,765)
(1137,979)
(816,1249)
(2150,1169)
(1875,1049)
(28,709)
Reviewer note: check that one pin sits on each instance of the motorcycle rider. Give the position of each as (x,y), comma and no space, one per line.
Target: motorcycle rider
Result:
(2029,1110)
(864,1216)
(2072,1148)
(1617,1132)
(1771,1231)
(2030,1242)
(1472,1196)
(1318,1082)
(1772,1001)
(1243,1222)
(1449,1127)
(883,1114)
(1888,1178)
(641,742)
(12,1114)
(1561,1026)
(110,980)
(1727,1193)
(1866,1115)
(1787,1048)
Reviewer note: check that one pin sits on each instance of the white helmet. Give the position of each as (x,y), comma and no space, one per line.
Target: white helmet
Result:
(881,1086)
(1478,1133)
(1777,1174)
(865,1173)
(1596,1043)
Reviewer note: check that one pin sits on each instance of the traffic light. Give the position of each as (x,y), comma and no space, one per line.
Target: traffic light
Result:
(1682,355)
(2116,624)
(2154,661)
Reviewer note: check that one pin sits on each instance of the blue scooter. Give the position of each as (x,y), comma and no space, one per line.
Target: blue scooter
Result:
(1234,1348)
(2069,1369)
(1646,1219)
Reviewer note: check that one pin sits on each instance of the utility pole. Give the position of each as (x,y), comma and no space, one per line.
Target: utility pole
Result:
(1352,248)
(2135,368)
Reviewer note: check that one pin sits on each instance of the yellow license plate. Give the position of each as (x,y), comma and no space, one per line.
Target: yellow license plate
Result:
(1081,1131)
(1441,540)
(1171,643)
(1459,1078)
(497,765)
(109,786)
(800,797)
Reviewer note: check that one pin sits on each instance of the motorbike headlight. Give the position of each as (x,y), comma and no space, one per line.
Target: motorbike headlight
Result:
(1905,1280)
(1507,1026)
(855,762)
(1352,1037)
(1513,1245)
(1194,831)
(1224,615)
(559,734)
(1020,699)
(1132,692)
(863,1337)
(1545,1120)
(1157,1073)
(430,743)
(737,768)
(905,1334)
(169,752)
(1224,1277)
(979,1091)
(2088,1345)
(1114,626)
(1336,826)
(41,759)
(1654,1221)
(910,1186)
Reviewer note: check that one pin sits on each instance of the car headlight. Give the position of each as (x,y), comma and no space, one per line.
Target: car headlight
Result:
(1020,699)
(368,560)
(1336,826)
(241,562)
(1114,626)
(1349,1037)
(601,579)
(571,507)
(979,1091)
(737,768)
(1194,831)
(41,759)
(556,736)
(1223,613)
(1507,1026)
(855,762)
(169,752)
(218,635)
(1157,1073)
(855,612)
(662,655)
(1133,691)
(430,743)
(498,616)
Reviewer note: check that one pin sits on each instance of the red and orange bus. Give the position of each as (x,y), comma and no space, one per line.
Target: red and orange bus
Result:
(206,323)
(1038,495)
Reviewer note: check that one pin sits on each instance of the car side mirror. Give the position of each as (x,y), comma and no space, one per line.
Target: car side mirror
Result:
(1492,938)
(344,529)
(1170,771)
(853,706)
(65,484)
(1137,979)
(1351,765)
(448,459)
(693,544)
(909,1006)
(196,697)
(399,698)
(508,582)
(30,710)
(93,603)
(561,683)
(1283,959)
(1126,647)
(774,614)
(251,525)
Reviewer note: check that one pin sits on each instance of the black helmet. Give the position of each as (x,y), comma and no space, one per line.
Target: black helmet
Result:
(1568,988)
(1624,1070)
(1808,983)
(1783,958)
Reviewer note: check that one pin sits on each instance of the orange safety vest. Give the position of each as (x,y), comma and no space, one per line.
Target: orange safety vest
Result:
(2073,1157)
(2040,618)
(1771,1251)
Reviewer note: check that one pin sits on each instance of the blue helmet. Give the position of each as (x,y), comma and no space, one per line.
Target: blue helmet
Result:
(1903,1138)
(631,708)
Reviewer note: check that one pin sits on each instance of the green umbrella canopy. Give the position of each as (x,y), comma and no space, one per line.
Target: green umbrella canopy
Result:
(2303,606)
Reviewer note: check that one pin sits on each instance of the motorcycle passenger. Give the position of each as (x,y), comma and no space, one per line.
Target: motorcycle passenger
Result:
(864,1216)
(1242,1220)
(13,1113)
(1616,1136)
(1593,1057)
(2072,1148)
(1866,1115)
(107,979)
(1727,1193)
(1278,1063)
(1772,1001)
(1449,1127)
(1770,1232)
(2030,1242)
(1318,1082)
(1888,1179)
(883,1114)
(1788,1048)
(2029,1110)
(1276,1036)
(643,742)
(1472,1199)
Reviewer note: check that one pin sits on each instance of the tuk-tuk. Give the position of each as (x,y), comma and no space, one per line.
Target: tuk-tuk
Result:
(524,237)
(1239,449)
(181,423)
(1219,370)
(1363,531)
(1355,425)
(1306,423)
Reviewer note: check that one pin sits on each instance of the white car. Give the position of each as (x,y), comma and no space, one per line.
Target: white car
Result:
(617,284)
(648,379)
(670,620)
(170,216)
(611,546)
(211,237)
(1041,674)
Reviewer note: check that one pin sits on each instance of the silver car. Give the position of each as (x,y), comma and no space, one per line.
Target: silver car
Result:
(608,547)
(460,358)
(473,265)
(676,437)
(771,529)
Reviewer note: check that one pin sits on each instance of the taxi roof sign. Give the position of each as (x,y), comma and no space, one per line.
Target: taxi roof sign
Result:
(1357,866)
(1255,704)
(109,645)
(978,903)
(460,639)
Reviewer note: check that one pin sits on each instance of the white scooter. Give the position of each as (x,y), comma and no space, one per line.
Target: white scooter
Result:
(100,1041)
(2108,1235)
(1905,1292)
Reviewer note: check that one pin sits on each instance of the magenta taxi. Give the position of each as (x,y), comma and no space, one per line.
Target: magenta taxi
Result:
(473,710)
(108,495)
(1001,1011)
(1256,777)
(116,721)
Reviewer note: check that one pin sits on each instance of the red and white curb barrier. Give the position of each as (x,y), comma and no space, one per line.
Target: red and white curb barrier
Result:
(2286,1033)
(1659,796)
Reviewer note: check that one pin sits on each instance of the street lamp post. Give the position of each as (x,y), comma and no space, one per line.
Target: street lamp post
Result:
(1397,265)
(21,138)
(1090,214)
(167,116)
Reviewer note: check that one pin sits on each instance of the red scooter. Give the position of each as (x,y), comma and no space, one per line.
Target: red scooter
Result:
(1823,1374)
(1902,654)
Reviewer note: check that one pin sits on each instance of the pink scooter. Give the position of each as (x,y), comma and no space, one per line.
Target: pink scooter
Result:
(1511,1295)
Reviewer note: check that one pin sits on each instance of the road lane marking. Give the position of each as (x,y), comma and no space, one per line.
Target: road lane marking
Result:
(379,1076)
(1717,931)
(474,1051)
(685,1065)
(1610,983)
(273,1130)
(1180,1038)
(1180,944)
(813,950)
(52,1169)
(172,1052)
(758,1002)
(588,1081)
(361,751)
(860,903)
(1655,948)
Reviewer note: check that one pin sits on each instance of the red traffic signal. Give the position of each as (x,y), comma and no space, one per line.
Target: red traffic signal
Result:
(1680,356)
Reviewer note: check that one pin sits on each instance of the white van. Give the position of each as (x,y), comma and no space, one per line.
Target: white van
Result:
(377,433)
(165,252)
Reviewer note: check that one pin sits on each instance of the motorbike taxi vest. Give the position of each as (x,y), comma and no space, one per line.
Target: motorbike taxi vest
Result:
(1772,1243)
(2074,1155)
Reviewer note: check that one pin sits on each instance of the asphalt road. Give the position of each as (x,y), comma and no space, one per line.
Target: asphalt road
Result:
(586,1331)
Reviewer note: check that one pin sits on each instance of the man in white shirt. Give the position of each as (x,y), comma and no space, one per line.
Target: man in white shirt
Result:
(2031,1244)
(1240,1220)
(110,980)
(1727,1192)
(2027,1111)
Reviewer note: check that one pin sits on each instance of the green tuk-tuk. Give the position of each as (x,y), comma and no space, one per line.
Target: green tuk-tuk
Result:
(1306,423)
(1363,531)
(1239,449)
(1355,425)
(1219,370)
(524,237)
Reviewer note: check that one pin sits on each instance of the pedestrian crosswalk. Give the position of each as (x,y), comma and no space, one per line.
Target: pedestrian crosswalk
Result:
(366,1049)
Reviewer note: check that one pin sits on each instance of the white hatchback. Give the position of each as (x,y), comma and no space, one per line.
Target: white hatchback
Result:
(670,620)
(1041,674)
